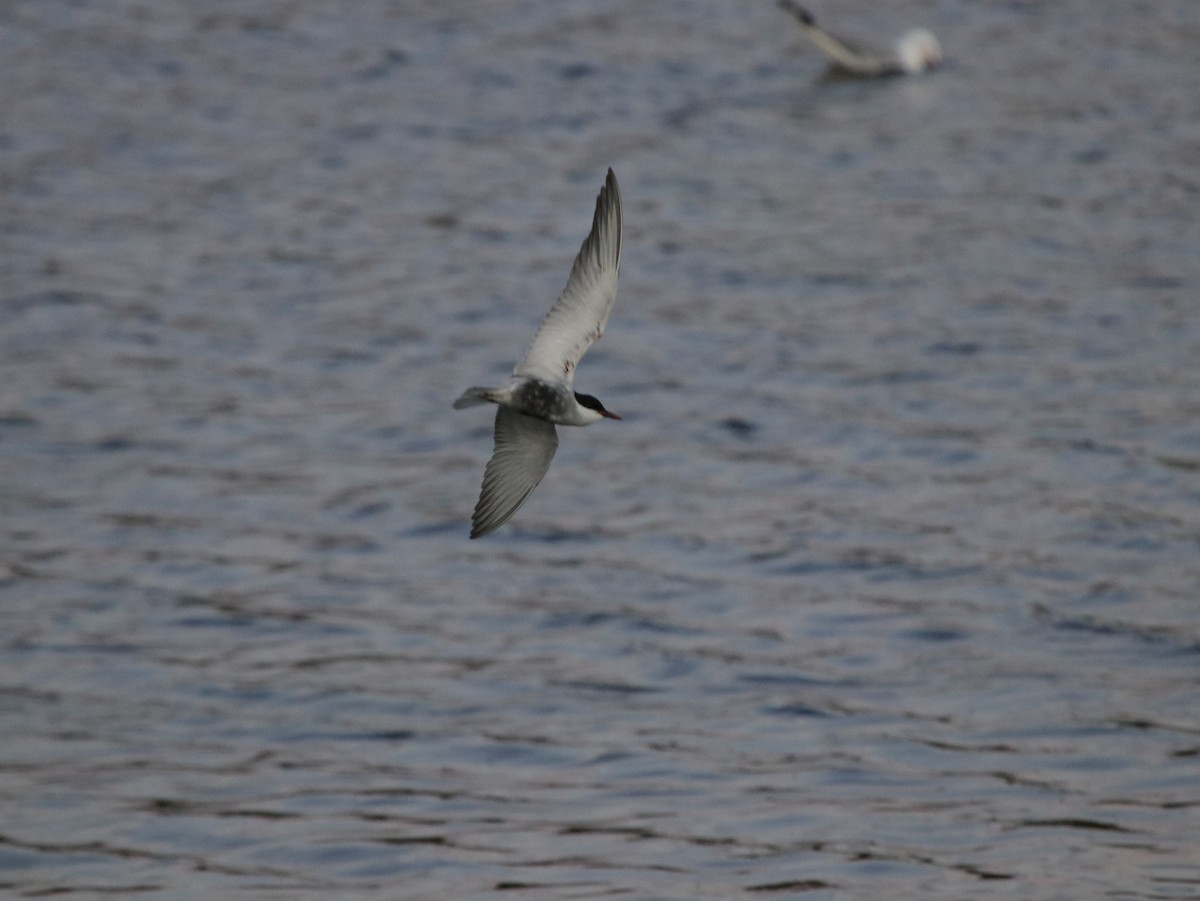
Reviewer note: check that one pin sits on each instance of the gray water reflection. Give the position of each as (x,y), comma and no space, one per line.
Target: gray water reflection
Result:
(885,586)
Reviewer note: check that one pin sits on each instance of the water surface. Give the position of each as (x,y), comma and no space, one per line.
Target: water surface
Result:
(885,585)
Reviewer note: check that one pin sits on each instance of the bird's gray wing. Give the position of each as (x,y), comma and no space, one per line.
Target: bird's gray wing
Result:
(578,318)
(524,448)
(855,57)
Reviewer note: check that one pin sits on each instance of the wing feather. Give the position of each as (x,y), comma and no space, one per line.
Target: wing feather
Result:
(854,57)
(579,316)
(524,448)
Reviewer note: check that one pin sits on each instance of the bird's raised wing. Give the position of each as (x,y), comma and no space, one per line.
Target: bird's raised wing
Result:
(524,448)
(578,318)
(855,57)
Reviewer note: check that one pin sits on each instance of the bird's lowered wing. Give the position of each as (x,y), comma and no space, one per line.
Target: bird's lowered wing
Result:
(524,448)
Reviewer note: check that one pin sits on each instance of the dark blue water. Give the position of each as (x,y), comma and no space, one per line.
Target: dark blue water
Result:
(886,585)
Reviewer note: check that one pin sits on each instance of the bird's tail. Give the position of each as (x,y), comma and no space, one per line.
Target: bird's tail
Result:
(473,397)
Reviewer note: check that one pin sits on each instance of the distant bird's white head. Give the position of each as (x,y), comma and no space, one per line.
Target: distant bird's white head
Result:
(918,50)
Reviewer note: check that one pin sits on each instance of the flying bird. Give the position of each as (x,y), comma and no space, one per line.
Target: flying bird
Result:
(915,51)
(540,392)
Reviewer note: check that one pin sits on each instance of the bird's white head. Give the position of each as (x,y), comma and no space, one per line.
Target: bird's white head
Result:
(918,50)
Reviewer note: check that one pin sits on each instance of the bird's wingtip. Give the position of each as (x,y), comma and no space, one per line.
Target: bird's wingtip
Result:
(801,14)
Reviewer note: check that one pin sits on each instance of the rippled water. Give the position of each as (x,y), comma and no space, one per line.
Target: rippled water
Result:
(885,587)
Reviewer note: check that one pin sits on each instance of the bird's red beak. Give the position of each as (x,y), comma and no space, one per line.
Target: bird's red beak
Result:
(609,415)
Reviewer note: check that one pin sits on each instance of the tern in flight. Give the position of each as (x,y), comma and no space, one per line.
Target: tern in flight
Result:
(915,51)
(540,394)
